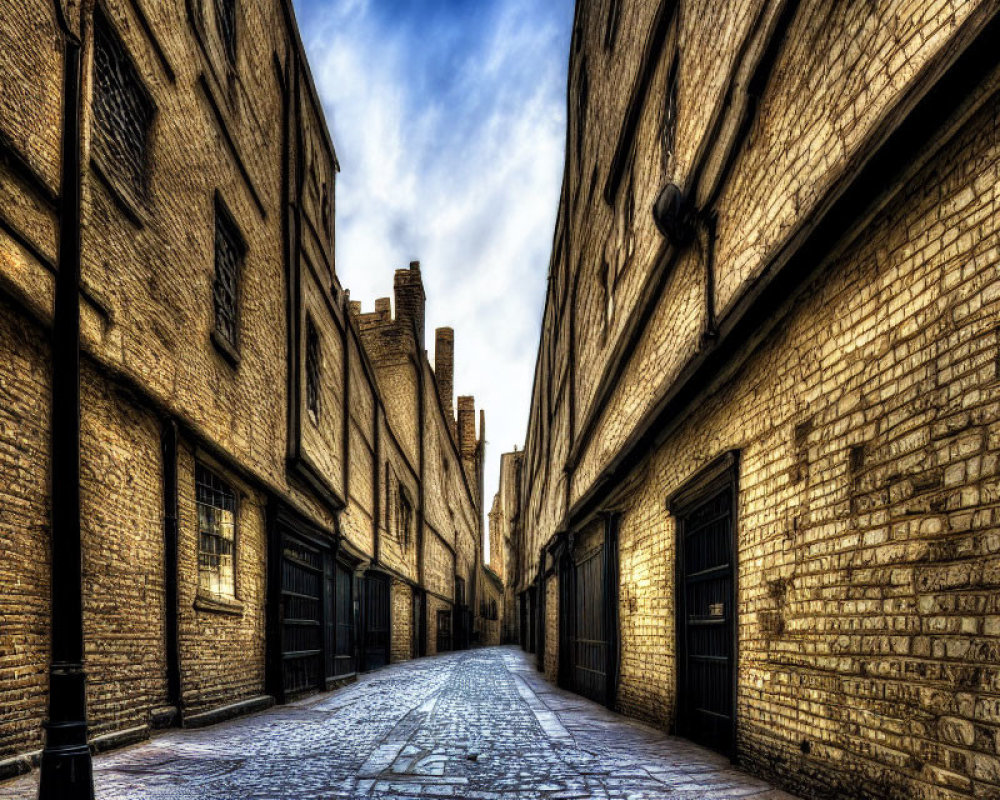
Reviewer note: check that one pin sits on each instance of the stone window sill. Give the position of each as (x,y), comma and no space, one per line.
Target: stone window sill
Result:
(130,205)
(226,350)
(218,605)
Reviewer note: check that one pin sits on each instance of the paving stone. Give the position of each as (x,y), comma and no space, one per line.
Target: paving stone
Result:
(479,725)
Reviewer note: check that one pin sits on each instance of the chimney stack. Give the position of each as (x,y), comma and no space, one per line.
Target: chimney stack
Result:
(444,370)
(409,290)
(467,427)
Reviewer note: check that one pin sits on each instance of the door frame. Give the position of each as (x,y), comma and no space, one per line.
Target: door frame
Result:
(720,474)
(375,575)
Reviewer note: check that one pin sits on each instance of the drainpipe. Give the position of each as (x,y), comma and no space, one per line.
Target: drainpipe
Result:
(66,769)
(168,441)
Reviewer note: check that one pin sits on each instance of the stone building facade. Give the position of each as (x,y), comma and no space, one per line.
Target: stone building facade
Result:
(263,470)
(759,500)
(503,522)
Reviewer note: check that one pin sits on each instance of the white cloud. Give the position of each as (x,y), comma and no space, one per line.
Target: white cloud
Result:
(461,172)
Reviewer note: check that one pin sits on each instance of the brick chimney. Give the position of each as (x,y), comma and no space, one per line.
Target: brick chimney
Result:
(467,427)
(409,290)
(444,370)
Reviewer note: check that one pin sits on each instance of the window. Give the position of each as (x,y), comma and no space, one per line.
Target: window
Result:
(611,27)
(216,504)
(123,110)
(405,518)
(628,218)
(459,591)
(312,370)
(607,293)
(668,134)
(581,112)
(225,15)
(229,253)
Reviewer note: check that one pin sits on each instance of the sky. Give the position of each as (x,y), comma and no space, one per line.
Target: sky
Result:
(448,117)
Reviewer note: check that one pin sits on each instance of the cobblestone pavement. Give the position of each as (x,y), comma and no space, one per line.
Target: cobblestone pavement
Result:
(480,724)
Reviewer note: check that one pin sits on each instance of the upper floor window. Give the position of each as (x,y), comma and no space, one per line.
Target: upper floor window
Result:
(225,15)
(313,357)
(668,134)
(607,294)
(123,110)
(405,517)
(216,503)
(581,112)
(628,219)
(611,25)
(229,253)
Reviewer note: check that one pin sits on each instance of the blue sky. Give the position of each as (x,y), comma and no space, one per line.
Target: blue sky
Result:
(449,121)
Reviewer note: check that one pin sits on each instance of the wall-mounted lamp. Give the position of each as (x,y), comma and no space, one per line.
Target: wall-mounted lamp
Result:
(672,215)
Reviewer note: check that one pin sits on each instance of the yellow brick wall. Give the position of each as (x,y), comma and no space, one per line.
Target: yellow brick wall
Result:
(865,423)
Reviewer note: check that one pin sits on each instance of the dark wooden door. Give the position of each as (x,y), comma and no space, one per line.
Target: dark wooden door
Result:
(443,630)
(376,620)
(302,616)
(344,639)
(588,641)
(706,619)
(418,624)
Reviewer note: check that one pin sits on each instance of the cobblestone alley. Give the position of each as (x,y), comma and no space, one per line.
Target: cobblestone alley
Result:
(480,724)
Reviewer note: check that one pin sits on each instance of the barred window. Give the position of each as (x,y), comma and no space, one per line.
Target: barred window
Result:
(229,252)
(312,369)
(216,503)
(123,110)
(225,14)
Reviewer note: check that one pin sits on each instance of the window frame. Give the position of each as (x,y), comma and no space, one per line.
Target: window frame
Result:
(126,188)
(228,35)
(229,348)
(313,370)
(224,486)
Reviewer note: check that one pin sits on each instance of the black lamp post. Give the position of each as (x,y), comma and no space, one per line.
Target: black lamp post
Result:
(66,770)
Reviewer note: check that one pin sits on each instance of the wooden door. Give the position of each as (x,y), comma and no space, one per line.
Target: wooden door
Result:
(443,630)
(376,620)
(706,618)
(302,615)
(588,641)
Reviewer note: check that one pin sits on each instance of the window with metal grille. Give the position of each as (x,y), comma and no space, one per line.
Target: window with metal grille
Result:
(123,110)
(216,503)
(229,252)
(312,369)
(225,15)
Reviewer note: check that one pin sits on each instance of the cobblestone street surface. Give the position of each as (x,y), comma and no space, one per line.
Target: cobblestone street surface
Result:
(478,724)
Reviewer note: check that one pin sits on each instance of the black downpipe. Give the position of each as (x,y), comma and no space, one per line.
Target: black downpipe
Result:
(168,443)
(66,768)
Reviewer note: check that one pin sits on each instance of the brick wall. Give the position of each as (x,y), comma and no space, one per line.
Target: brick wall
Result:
(865,420)
(121,514)
(24,531)
(401,648)
(219,139)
